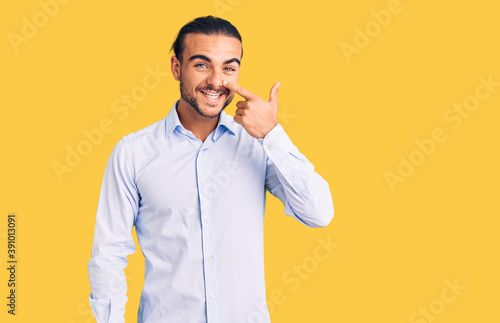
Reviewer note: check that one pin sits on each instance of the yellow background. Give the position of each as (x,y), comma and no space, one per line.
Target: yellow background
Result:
(353,120)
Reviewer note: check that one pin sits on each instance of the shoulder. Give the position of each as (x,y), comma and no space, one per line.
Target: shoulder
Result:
(146,135)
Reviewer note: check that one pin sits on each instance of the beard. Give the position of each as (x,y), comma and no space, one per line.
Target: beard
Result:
(186,96)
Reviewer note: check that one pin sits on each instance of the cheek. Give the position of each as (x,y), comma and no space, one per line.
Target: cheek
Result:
(234,77)
(191,79)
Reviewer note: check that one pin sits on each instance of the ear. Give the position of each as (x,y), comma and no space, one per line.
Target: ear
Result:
(175,65)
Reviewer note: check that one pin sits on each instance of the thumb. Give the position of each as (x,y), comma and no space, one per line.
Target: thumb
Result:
(273,95)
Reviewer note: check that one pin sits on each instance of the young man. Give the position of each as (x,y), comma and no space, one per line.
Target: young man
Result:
(194,185)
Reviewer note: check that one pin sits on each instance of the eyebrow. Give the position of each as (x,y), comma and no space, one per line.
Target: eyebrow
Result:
(203,57)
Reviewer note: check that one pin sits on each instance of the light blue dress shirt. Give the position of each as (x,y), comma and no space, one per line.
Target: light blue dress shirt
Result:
(198,209)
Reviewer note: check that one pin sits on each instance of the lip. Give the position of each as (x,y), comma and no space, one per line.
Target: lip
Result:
(209,99)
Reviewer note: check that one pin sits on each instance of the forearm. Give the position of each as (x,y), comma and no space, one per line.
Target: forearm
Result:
(109,289)
(291,178)
(112,243)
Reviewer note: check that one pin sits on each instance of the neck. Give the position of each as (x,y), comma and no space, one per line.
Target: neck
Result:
(190,119)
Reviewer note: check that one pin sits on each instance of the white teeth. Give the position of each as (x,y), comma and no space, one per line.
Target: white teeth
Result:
(211,95)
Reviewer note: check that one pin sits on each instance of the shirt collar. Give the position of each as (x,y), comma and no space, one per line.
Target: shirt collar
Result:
(172,122)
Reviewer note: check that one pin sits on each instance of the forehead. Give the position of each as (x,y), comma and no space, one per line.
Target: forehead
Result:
(216,47)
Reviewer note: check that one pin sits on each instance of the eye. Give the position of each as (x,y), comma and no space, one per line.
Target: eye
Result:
(229,68)
(201,65)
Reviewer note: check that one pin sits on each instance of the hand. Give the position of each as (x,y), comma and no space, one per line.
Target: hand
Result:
(256,115)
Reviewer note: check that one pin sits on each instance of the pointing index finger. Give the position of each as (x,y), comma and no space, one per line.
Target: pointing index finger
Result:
(238,89)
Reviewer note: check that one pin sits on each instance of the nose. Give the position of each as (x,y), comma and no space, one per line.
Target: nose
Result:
(215,78)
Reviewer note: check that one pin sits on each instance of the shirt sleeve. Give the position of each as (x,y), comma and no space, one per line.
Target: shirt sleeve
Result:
(291,178)
(116,214)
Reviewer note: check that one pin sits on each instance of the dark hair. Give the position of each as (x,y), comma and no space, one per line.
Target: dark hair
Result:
(207,25)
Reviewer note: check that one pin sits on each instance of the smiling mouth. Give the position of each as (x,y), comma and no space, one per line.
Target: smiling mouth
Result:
(212,96)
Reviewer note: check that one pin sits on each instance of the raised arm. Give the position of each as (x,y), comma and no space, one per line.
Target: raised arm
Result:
(289,175)
(291,178)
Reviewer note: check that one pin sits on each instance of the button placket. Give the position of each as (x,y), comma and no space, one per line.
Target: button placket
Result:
(208,236)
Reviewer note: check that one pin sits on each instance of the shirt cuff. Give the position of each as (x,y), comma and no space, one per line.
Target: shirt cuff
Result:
(277,144)
(108,310)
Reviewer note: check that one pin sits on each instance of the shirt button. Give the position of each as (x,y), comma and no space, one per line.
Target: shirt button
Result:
(212,296)
(203,183)
(290,177)
(207,220)
(210,258)
(184,131)
(270,146)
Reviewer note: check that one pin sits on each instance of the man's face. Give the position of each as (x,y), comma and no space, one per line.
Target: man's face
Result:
(207,61)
